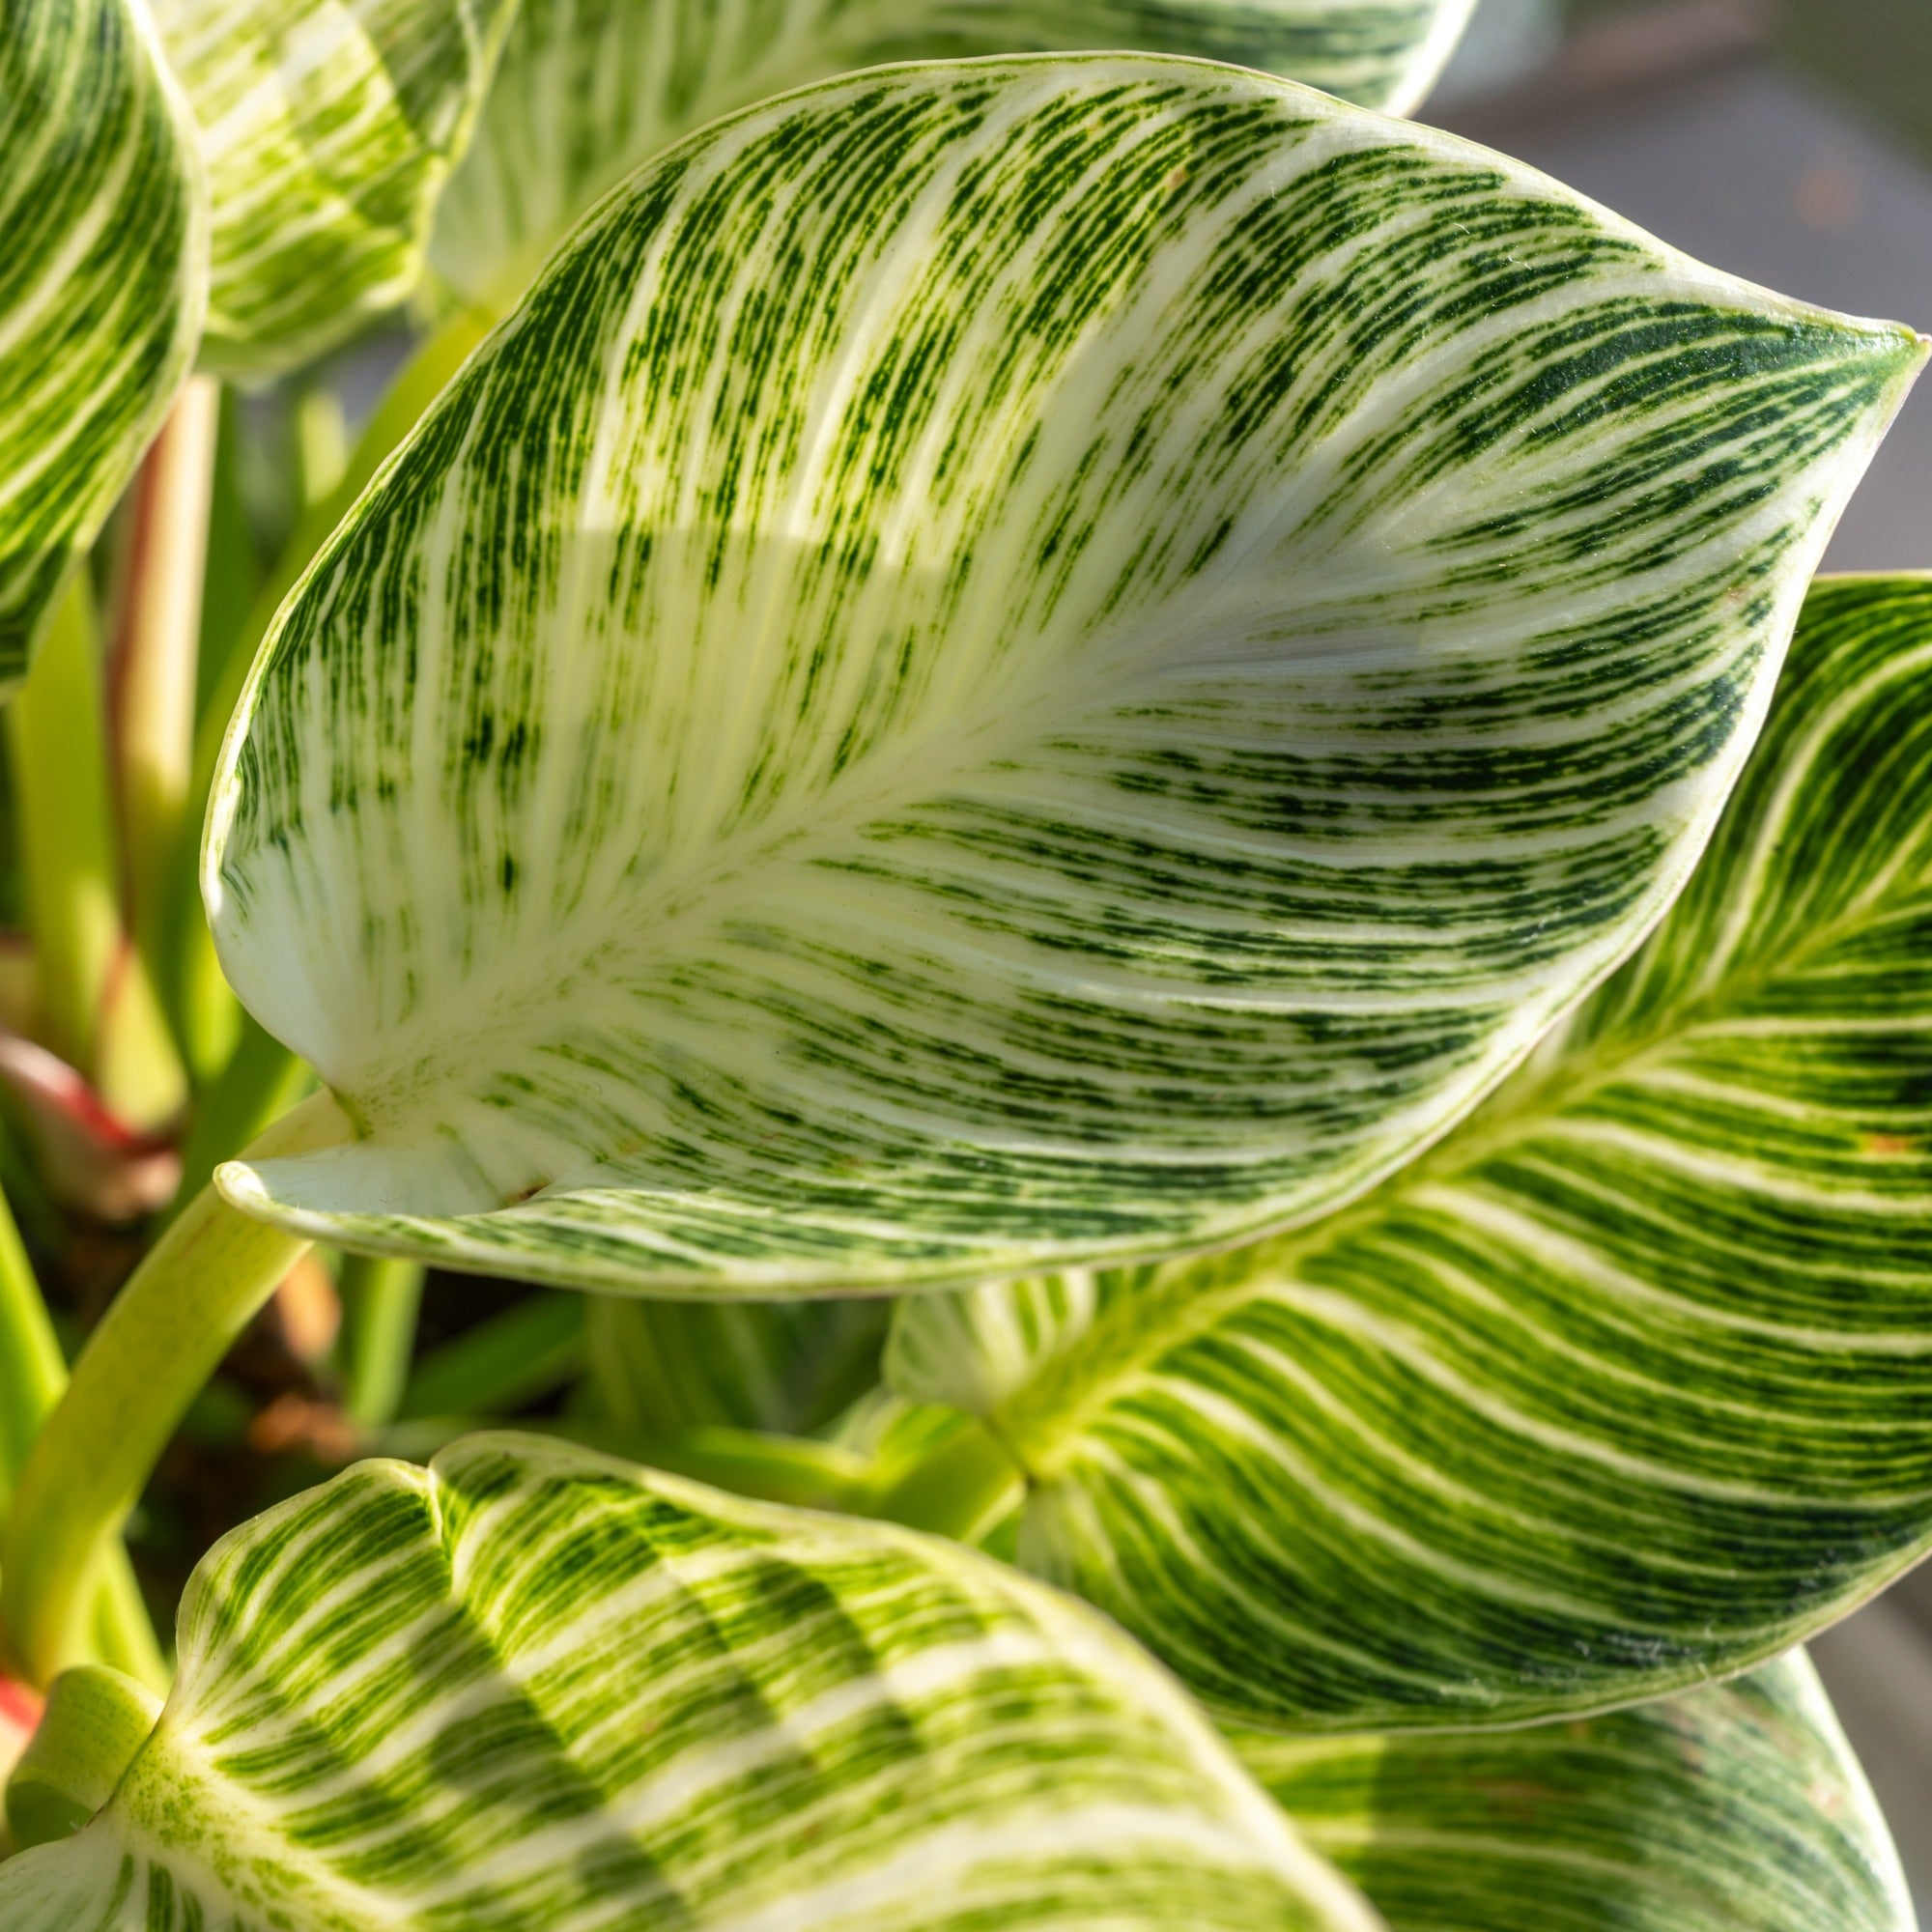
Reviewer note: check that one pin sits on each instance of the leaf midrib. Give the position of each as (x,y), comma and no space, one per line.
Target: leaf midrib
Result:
(1103,662)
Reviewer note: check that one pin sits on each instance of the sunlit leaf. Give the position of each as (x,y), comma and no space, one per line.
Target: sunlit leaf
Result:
(531,1687)
(1623,1386)
(589,89)
(1734,1809)
(329,127)
(1007,665)
(104,225)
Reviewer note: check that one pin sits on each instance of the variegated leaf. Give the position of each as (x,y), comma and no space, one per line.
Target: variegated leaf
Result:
(532,1687)
(1623,1386)
(589,89)
(1734,1809)
(330,127)
(1008,664)
(102,210)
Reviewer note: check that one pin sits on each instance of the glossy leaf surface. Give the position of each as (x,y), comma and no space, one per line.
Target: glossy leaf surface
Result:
(328,127)
(1625,1383)
(103,208)
(588,90)
(534,1687)
(1010,663)
(1738,1808)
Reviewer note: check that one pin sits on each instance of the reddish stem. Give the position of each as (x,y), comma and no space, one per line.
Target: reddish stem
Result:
(19,1718)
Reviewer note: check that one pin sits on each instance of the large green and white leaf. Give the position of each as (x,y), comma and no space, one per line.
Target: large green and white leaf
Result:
(329,127)
(588,90)
(530,1687)
(1739,1808)
(1009,664)
(1623,1386)
(102,273)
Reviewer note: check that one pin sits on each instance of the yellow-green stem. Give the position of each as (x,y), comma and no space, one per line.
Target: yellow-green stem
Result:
(260,1083)
(33,1373)
(158,1343)
(381,1297)
(962,1489)
(31,1368)
(95,1006)
(65,830)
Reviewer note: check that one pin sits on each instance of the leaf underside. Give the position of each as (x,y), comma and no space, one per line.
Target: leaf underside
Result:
(102,211)
(1624,1385)
(1733,1808)
(588,90)
(1007,665)
(534,1687)
(328,127)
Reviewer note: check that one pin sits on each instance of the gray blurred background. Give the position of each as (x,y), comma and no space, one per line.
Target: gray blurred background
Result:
(1789,141)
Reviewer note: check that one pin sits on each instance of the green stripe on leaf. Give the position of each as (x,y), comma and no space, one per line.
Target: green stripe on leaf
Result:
(1008,665)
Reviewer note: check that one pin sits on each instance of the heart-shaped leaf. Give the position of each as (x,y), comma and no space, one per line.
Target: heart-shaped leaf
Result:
(103,213)
(588,90)
(1006,663)
(1730,1808)
(1622,1386)
(330,127)
(533,1688)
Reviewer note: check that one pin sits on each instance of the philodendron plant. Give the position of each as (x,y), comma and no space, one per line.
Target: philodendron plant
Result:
(1181,722)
